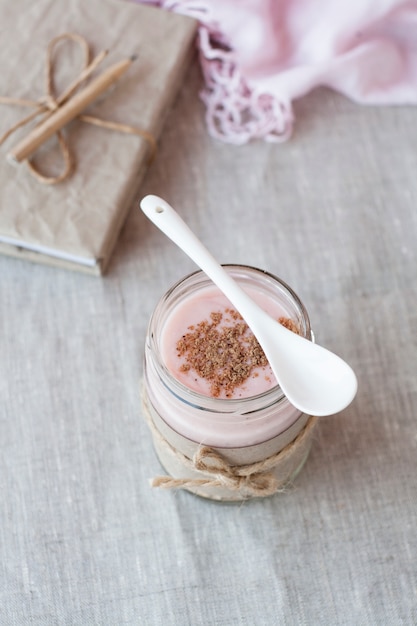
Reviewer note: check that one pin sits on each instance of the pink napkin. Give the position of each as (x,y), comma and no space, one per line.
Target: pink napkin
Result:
(259,55)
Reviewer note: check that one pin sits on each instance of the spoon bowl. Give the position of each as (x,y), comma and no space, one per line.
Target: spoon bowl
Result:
(315,380)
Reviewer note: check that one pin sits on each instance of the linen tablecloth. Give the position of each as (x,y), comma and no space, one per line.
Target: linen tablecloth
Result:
(84,539)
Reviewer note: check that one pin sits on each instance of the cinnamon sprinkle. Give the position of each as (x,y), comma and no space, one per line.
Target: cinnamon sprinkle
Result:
(225,356)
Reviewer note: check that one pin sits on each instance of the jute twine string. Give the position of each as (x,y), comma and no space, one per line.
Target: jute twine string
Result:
(252,480)
(50,102)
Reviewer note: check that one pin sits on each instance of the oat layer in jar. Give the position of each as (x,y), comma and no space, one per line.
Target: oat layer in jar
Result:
(222,427)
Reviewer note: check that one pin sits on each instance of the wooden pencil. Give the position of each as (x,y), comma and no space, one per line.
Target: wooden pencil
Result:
(68,111)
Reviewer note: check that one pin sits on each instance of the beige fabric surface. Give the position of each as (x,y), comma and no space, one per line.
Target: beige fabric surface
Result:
(83,538)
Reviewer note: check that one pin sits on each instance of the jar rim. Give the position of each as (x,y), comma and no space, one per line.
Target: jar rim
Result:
(242,406)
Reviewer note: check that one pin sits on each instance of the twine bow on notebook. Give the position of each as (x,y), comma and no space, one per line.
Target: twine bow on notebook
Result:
(56,111)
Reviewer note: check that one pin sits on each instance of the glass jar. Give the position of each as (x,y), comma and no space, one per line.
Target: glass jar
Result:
(253,445)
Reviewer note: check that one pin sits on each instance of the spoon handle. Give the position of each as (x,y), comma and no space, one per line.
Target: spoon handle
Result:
(171,224)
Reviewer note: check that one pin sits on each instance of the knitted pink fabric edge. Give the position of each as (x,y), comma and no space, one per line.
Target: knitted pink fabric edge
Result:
(235,112)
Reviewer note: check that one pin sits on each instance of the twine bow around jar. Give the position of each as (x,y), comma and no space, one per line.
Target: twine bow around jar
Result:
(255,480)
(58,110)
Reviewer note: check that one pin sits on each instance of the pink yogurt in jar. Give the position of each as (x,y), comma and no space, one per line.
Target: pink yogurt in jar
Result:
(252,423)
(194,310)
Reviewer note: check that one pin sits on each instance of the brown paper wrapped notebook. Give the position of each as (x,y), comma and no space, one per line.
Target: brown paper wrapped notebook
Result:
(76,223)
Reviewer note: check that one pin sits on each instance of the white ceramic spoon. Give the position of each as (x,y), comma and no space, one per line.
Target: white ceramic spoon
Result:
(315,380)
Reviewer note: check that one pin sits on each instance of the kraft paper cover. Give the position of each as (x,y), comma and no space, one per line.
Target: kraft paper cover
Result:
(76,222)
